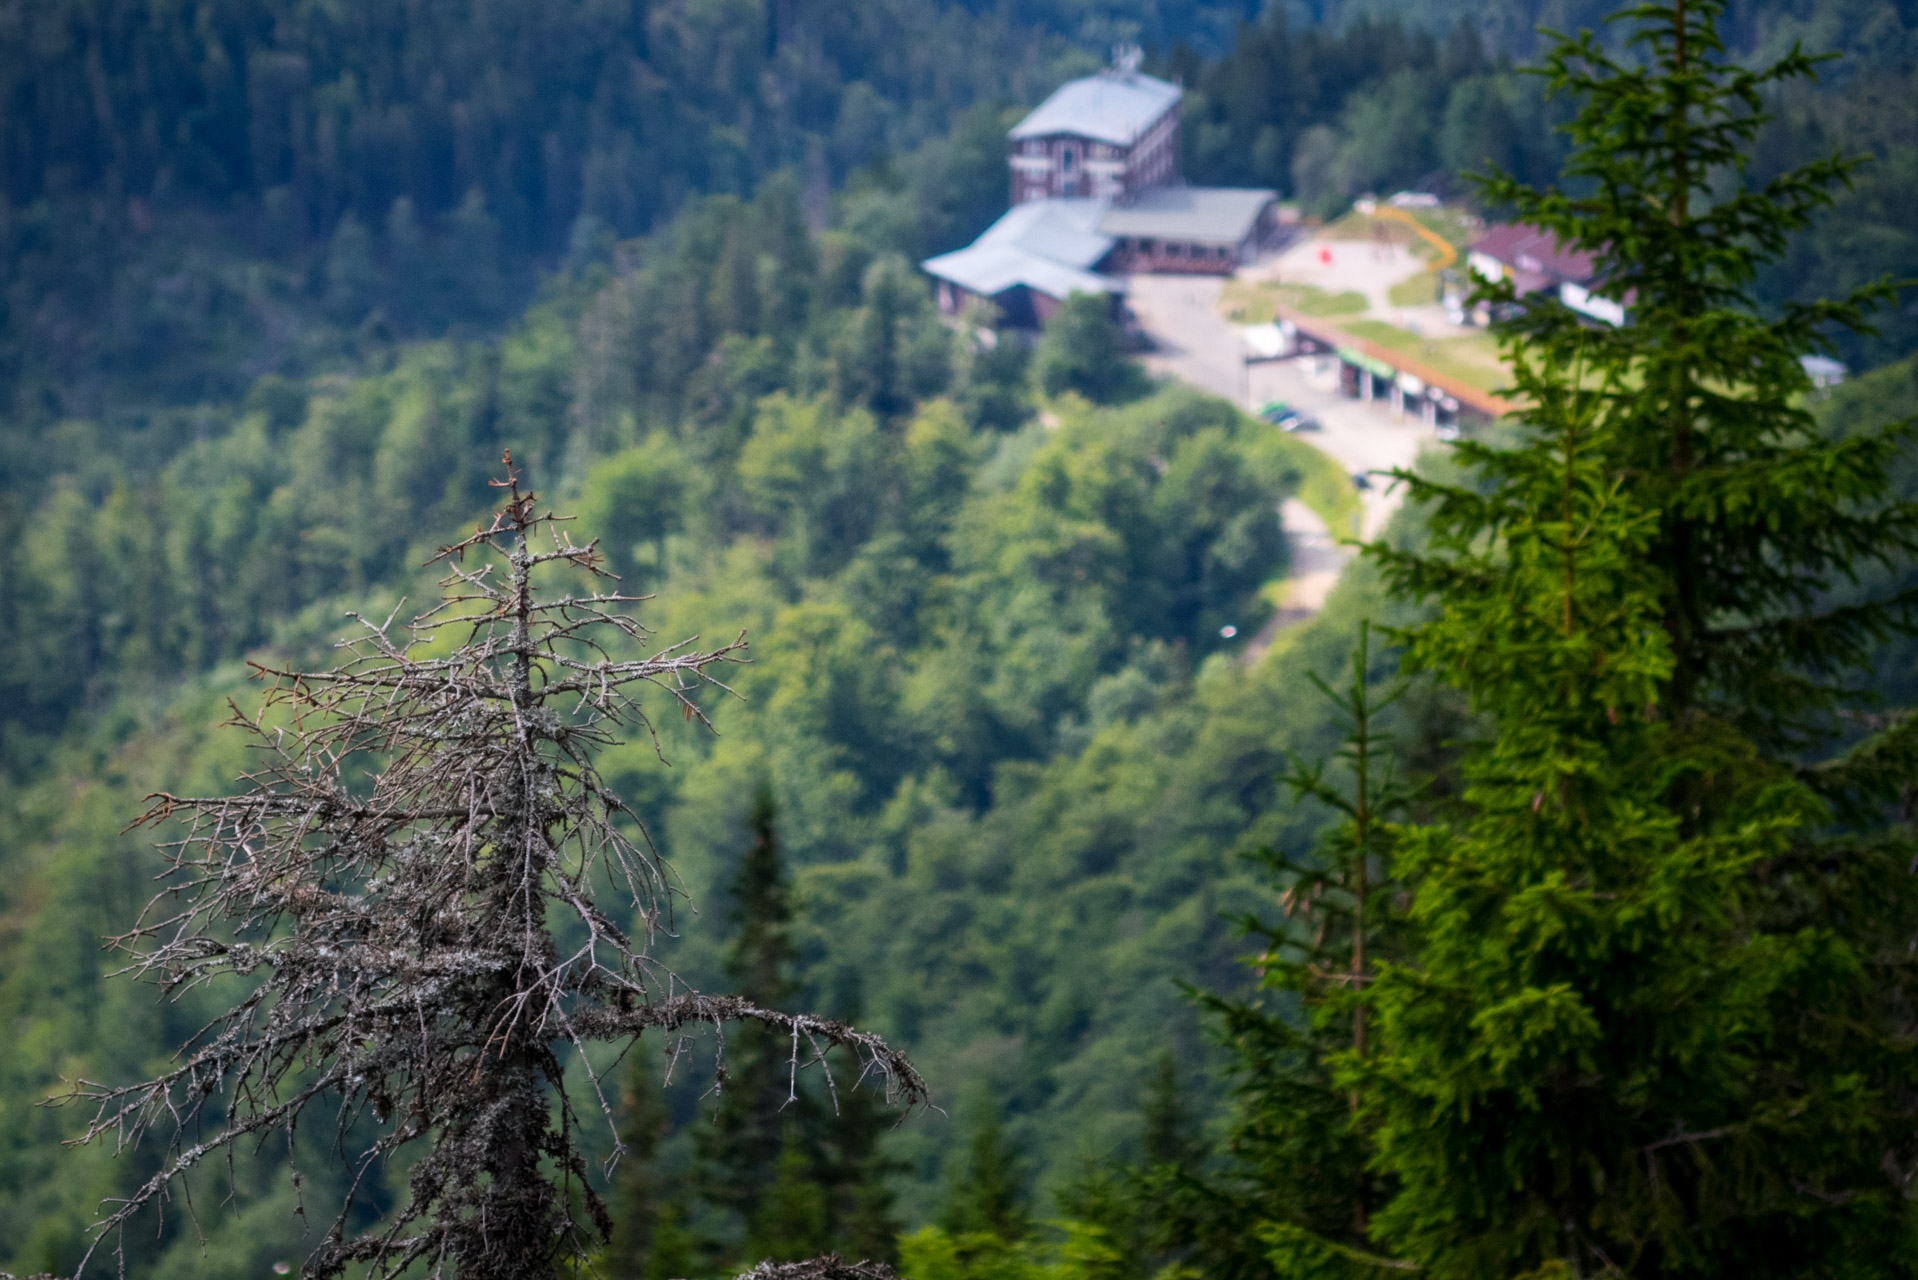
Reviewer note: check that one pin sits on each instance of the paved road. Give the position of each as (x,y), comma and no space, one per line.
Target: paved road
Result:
(1191,340)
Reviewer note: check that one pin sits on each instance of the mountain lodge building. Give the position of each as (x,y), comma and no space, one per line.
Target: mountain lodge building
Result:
(1097,190)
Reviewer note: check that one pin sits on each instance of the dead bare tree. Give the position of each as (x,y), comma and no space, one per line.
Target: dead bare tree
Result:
(400,946)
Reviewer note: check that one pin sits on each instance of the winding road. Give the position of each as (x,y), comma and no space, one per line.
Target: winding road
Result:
(1195,344)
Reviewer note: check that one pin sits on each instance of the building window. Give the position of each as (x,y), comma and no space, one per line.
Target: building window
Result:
(1066,158)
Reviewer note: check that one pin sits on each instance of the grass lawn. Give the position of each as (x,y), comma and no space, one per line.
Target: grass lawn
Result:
(1454,224)
(1250,301)
(1473,360)
(1364,226)
(1322,483)
(1390,229)
(1418,291)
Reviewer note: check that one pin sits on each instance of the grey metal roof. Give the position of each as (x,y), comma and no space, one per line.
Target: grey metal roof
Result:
(1113,106)
(1064,230)
(1049,245)
(1202,215)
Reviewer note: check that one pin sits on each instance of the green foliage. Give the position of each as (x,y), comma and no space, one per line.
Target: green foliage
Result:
(815,473)
(989,1196)
(932,1253)
(647,1241)
(282,184)
(1159,517)
(1596,966)
(790,1221)
(1380,98)
(1630,952)
(1635,1019)
(1011,755)
(1327,113)
(919,714)
(986,1232)
(1298,1191)
(1083,350)
(1167,1137)
(782,1167)
(1704,398)
(639,496)
(760,955)
(996,385)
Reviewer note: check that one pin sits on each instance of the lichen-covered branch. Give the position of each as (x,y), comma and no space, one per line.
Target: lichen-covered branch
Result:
(398,945)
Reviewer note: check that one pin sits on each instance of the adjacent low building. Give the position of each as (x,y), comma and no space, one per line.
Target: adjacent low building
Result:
(1534,261)
(1096,193)
(1824,372)
(1208,230)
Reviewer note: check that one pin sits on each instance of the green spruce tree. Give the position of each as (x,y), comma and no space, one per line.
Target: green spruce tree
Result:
(854,1170)
(988,1198)
(1702,398)
(739,1151)
(1112,1213)
(650,1239)
(1655,1024)
(798,1166)
(1298,1187)
(1167,1132)
(791,1220)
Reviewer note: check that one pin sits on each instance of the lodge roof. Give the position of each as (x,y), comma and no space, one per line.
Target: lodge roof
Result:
(1112,106)
(1054,245)
(1049,245)
(1198,215)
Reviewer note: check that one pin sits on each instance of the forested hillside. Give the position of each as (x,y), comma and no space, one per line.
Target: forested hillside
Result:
(282,280)
(1757,28)
(195,195)
(942,595)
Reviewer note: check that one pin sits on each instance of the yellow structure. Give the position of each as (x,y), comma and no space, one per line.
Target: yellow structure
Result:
(1447,254)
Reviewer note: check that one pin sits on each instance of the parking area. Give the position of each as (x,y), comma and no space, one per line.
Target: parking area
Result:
(1194,343)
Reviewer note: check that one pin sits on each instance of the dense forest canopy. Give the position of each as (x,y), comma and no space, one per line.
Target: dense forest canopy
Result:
(280,280)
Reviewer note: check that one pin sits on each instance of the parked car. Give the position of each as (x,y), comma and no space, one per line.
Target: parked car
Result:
(1286,418)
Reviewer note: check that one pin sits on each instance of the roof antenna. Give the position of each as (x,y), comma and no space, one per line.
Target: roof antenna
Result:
(1126,59)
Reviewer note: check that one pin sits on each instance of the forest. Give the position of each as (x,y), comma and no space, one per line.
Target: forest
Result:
(1620,813)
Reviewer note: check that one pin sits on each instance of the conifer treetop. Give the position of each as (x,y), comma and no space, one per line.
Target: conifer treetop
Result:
(1701,403)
